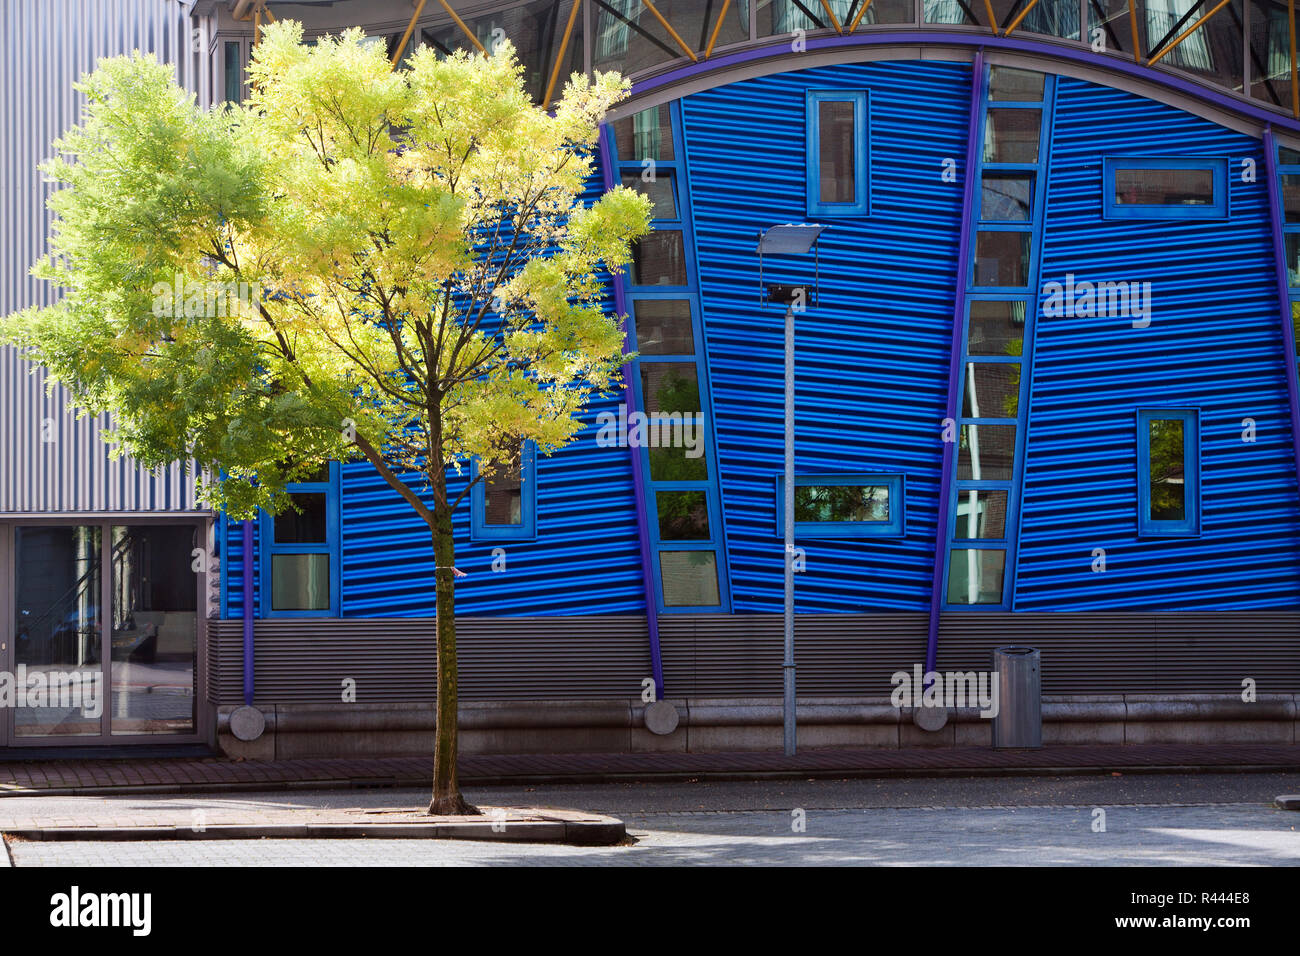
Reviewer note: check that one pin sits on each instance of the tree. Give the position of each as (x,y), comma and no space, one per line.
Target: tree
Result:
(357,262)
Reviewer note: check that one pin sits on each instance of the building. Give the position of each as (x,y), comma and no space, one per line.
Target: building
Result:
(1047,395)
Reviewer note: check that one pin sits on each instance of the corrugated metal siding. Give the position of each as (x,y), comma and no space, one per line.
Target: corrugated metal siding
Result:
(51,462)
(1213,343)
(721,655)
(305,661)
(872,356)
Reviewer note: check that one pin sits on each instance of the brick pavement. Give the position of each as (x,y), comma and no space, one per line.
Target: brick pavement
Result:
(190,775)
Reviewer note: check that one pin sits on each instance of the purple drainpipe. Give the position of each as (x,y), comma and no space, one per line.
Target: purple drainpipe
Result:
(638,479)
(1283,292)
(954,361)
(248,611)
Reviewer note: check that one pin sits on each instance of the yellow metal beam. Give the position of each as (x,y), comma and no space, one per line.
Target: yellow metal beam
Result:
(1133,26)
(831,13)
(559,57)
(410,28)
(671,32)
(858,19)
(257,25)
(1189,31)
(1020,16)
(461,23)
(717,28)
(993,21)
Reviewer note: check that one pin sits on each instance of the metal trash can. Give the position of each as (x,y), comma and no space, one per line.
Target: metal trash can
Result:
(1019,720)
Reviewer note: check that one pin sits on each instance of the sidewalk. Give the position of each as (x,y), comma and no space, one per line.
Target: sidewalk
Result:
(216,774)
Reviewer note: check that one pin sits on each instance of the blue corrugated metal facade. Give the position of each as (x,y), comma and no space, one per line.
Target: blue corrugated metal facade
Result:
(1212,344)
(873,378)
(871,366)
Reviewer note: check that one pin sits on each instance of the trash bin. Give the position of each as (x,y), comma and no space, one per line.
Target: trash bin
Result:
(1019,720)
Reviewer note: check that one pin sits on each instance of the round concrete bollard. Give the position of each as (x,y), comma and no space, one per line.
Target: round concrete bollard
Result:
(247,723)
(660,718)
(931,719)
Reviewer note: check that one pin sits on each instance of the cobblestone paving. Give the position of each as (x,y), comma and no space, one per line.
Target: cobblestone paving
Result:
(1223,834)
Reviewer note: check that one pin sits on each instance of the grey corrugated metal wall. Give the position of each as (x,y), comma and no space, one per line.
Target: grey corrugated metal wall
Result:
(724,655)
(50,461)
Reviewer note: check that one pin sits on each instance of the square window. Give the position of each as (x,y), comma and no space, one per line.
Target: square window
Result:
(996,327)
(657,186)
(683,515)
(986,452)
(304,521)
(689,578)
(975,575)
(659,259)
(991,390)
(645,135)
(1002,259)
(1007,197)
(663,327)
(300,582)
(1011,136)
(981,514)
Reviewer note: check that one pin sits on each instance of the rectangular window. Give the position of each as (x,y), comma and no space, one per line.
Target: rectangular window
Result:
(300,549)
(1006,197)
(503,505)
(1011,136)
(645,135)
(975,575)
(1001,259)
(1141,188)
(657,186)
(231,71)
(673,426)
(837,142)
(659,259)
(1008,84)
(862,505)
(689,578)
(683,515)
(986,452)
(997,327)
(1169,499)
(991,390)
(663,327)
(981,514)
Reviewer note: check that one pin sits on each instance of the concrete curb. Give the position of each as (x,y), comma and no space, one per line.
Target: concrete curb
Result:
(595,830)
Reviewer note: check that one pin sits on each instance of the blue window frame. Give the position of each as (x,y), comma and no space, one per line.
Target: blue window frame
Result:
(1169,465)
(838,158)
(1143,187)
(861,505)
(507,511)
(300,552)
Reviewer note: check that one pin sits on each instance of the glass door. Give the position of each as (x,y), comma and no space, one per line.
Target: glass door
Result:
(99,641)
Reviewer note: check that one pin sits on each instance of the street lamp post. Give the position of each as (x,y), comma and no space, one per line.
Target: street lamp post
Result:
(788,240)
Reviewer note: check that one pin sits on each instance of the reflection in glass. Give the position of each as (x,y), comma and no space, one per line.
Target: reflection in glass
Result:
(300,582)
(1010,84)
(986,452)
(670,396)
(1011,136)
(981,514)
(1002,259)
(1164,187)
(58,637)
(683,515)
(841,503)
(663,327)
(836,145)
(503,491)
(659,259)
(997,327)
(645,135)
(304,521)
(1167,480)
(155,621)
(689,578)
(992,390)
(1291,197)
(948,11)
(975,575)
(1006,197)
(1291,241)
(658,188)
(1057,18)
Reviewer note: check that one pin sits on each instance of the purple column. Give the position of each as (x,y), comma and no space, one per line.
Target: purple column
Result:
(249,597)
(638,478)
(954,360)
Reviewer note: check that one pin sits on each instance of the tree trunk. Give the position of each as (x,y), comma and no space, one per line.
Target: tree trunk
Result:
(446,782)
